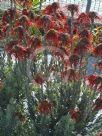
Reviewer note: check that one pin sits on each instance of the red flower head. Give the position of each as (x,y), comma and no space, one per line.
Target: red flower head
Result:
(84,19)
(45,107)
(24,21)
(52,37)
(36,43)
(20,52)
(98,104)
(98,51)
(62,16)
(55,6)
(82,47)
(5,17)
(74,60)
(85,34)
(94,81)
(20,116)
(51,8)
(19,30)
(8,16)
(39,78)
(70,75)
(25,12)
(72,8)
(75,114)
(64,39)
(45,22)
(93,15)
(10,45)
(31,15)
(16,50)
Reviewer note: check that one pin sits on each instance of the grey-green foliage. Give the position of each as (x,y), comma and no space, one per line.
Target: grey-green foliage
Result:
(65,127)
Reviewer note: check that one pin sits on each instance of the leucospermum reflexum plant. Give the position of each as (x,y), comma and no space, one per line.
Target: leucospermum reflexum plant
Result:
(45,89)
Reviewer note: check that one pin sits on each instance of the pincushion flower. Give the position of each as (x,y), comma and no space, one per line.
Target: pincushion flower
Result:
(61,16)
(93,15)
(75,114)
(20,116)
(39,78)
(8,16)
(82,47)
(72,8)
(70,75)
(19,31)
(95,82)
(45,107)
(52,37)
(64,39)
(84,19)
(51,8)
(97,51)
(74,60)
(45,22)
(24,21)
(84,33)
(18,51)
(35,43)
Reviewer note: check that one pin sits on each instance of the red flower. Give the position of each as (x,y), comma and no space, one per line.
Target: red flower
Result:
(51,8)
(98,104)
(10,45)
(39,78)
(45,107)
(72,8)
(85,34)
(64,39)
(21,117)
(74,60)
(82,47)
(98,50)
(24,21)
(95,82)
(16,50)
(31,15)
(36,43)
(8,16)
(5,18)
(84,19)
(93,15)
(70,75)
(55,6)
(25,12)
(75,114)
(45,22)
(52,37)
(20,52)
(20,31)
